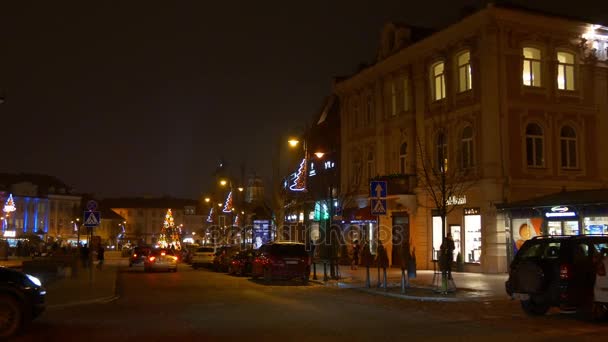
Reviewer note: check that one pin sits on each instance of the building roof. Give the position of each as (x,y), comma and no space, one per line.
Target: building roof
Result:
(46,184)
(143,202)
(575,198)
(109,214)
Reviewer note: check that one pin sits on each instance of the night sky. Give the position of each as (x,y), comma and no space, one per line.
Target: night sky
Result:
(144,97)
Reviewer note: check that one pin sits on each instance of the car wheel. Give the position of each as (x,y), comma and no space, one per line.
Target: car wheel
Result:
(11,316)
(267,275)
(534,306)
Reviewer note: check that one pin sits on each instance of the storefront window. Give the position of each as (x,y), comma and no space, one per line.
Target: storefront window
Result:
(436,236)
(571,228)
(554,228)
(472,238)
(455,230)
(596,225)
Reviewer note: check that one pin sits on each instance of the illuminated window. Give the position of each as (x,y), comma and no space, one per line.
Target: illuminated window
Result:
(393,99)
(406,91)
(442,152)
(466,142)
(438,81)
(534,145)
(464,72)
(531,70)
(402,157)
(567,140)
(565,71)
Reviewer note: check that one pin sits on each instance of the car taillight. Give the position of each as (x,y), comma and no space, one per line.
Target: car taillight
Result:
(152,259)
(162,253)
(564,271)
(601,269)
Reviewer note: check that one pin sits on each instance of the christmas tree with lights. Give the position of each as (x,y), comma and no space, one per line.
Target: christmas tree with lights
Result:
(169,233)
(299,183)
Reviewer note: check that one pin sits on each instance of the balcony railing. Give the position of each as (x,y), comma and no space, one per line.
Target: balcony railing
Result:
(399,184)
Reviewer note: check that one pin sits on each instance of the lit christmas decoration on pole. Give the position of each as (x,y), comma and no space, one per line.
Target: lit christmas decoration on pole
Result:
(210,216)
(228,204)
(9,207)
(299,183)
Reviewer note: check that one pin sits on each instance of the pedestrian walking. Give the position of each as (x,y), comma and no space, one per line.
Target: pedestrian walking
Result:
(356,250)
(100,257)
(84,255)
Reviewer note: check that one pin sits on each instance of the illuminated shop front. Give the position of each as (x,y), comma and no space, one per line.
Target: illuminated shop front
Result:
(571,213)
(358,224)
(465,231)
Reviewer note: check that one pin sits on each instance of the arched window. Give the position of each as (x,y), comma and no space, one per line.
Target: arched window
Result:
(464,72)
(438,81)
(565,70)
(442,152)
(402,158)
(567,140)
(466,146)
(534,145)
(532,67)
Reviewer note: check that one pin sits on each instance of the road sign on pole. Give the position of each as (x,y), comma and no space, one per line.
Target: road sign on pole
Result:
(377,189)
(92,218)
(378,206)
(92,205)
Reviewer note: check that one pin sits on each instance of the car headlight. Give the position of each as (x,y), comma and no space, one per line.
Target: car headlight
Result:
(34,280)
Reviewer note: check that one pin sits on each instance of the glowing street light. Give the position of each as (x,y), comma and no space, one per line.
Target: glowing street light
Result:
(240,188)
(319,154)
(293,142)
(207,199)
(223,182)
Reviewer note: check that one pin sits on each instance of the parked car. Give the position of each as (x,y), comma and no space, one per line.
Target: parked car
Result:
(281,260)
(241,263)
(600,289)
(222,258)
(139,255)
(203,256)
(161,260)
(21,300)
(555,271)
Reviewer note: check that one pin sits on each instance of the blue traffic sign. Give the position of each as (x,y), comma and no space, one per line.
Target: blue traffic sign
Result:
(378,206)
(377,189)
(92,205)
(92,218)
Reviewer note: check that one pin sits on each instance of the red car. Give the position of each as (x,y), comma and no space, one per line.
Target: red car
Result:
(281,260)
(241,263)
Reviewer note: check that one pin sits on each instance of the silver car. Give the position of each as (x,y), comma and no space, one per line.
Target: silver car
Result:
(203,256)
(161,260)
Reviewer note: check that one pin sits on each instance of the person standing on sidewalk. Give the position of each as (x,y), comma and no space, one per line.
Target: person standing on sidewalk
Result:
(356,249)
(84,255)
(100,257)
(447,255)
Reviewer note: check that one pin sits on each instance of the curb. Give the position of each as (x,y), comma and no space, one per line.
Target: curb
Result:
(420,298)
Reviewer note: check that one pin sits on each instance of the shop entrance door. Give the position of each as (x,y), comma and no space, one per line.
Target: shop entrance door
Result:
(401,235)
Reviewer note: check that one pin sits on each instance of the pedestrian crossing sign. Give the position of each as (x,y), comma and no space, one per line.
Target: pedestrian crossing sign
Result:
(92,218)
(378,206)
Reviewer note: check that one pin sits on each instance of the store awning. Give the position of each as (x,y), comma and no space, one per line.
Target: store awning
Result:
(581,198)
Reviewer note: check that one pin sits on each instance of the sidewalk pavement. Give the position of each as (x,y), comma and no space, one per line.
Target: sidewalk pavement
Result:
(87,286)
(470,286)
(14,262)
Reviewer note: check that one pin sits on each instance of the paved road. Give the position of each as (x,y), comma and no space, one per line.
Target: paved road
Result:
(202,305)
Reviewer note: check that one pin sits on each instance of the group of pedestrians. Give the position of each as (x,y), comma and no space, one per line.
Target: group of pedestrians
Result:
(86,257)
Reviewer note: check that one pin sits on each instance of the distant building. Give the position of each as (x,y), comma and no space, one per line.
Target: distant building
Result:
(44,204)
(145,216)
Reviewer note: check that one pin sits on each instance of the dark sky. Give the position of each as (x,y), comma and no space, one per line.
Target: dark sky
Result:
(144,97)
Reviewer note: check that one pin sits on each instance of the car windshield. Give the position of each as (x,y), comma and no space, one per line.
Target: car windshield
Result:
(288,250)
(205,250)
(540,250)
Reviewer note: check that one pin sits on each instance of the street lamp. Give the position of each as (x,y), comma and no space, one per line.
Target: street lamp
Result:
(207,199)
(223,182)
(293,142)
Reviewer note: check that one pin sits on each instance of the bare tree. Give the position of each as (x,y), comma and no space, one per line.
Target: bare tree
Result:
(444,184)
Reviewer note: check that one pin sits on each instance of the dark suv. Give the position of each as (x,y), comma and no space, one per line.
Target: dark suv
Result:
(21,300)
(555,271)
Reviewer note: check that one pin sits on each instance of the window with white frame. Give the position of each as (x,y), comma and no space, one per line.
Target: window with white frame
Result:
(567,140)
(442,152)
(565,71)
(464,72)
(370,164)
(393,99)
(532,67)
(466,146)
(406,92)
(438,81)
(402,157)
(534,145)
